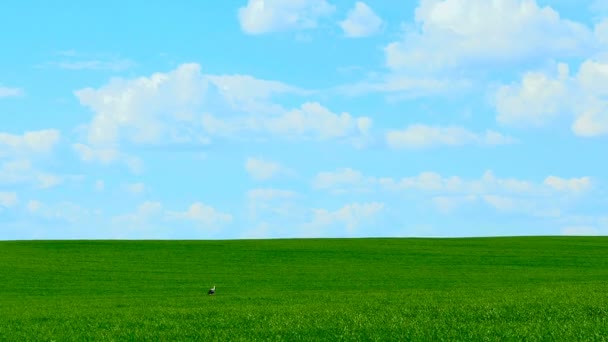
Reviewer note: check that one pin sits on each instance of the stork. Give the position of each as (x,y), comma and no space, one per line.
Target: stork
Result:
(211,291)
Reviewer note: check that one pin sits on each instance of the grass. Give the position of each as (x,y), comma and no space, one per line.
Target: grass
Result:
(507,289)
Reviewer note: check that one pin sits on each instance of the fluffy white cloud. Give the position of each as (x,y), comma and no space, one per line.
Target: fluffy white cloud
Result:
(343,181)
(447,204)
(422,136)
(534,101)
(350,216)
(452,33)
(311,121)
(449,193)
(30,142)
(264,16)
(260,169)
(186,106)
(8,199)
(10,92)
(22,172)
(107,156)
(361,21)
(141,219)
(202,214)
(404,86)
(540,98)
(245,89)
(146,109)
(572,185)
(269,203)
(63,211)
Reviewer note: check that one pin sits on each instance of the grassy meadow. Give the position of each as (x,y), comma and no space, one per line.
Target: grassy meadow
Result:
(496,289)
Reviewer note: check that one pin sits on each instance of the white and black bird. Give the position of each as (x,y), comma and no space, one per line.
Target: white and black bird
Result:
(211,291)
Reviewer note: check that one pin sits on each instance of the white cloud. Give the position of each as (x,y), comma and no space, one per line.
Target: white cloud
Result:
(264,16)
(342,181)
(540,98)
(269,203)
(107,156)
(141,218)
(361,21)
(95,64)
(30,142)
(449,193)
(64,211)
(146,109)
(422,136)
(260,169)
(77,60)
(8,199)
(205,216)
(244,91)
(10,92)
(572,185)
(311,121)
(21,171)
(135,188)
(535,101)
(405,86)
(447,204)
(185,106)
(351,216)
(453,33)
(269,194)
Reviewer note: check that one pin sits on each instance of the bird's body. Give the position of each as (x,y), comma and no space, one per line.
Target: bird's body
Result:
(211,291)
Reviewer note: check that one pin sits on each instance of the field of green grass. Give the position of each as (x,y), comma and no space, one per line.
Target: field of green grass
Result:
(507,289)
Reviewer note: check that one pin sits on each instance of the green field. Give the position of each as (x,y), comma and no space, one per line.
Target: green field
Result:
(529,288)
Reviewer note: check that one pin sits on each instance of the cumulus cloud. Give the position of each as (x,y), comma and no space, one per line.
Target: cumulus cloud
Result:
(350,216)
(141,218)
(185,106)
(361,21)
(271,204)
(260,169)
(30,142)
(62,211)
(541,97)
(312,121)
(138,110)
(269,194)
(535,100)
(423,136)
(265,16)
(448,193)
(572,185)
(107,156)
(453,33)
(342,181)
(204,216)
(22,171)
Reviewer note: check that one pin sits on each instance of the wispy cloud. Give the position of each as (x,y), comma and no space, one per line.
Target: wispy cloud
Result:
(74,60)
(10,92)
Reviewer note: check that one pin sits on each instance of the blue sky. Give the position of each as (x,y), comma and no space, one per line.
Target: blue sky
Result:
(303,118)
